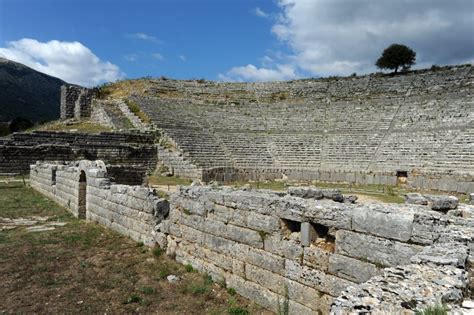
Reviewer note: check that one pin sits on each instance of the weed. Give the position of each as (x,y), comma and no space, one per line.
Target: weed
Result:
(207,279)
(284,306)
(263,234)
(147,290)
(198,289)
(237,310)
(158,251)
(231,291)
(189,268)
(140,244)
(134,298)
(433,310)
(186,211)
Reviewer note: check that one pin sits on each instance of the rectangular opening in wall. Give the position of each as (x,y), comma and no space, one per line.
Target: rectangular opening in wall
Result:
(291,226)
(53,177)
(402,177)
(324,237)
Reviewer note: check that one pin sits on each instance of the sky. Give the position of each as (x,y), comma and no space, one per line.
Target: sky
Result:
(89,42)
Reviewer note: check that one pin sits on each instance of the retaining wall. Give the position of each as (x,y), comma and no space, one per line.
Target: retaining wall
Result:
(310,248)
(273,247)
(134,150)
(133,211)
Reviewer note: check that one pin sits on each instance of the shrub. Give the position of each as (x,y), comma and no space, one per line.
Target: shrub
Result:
(134,298)
(433,310)
(237,310)
(158,251)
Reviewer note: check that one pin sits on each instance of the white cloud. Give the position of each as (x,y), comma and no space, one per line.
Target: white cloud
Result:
(145,37)
(260,13)
(182,58)
(340,37)
(71,61)
(157,56)
(252,73)
(131,57)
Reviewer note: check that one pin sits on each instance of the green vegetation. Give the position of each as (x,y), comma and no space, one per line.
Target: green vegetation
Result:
(158,251)
(433,310)
(237,310)
(134,298)
(168,180)
(135,108)
(85,126)
(231,291)
(189,268)
(396,56)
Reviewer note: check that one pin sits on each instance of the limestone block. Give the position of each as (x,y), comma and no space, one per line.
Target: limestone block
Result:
(189,234)
(218,244)
(265,278)
(262,222)
(234,232)
(238,267)
(316,257)
(223,261)
(384,221)
(287,248)
(308,233)
(255,292)
(426,227)
(351,269)
(416,199)
(452,253)
(309,297)
(221,213)
(259,258)
(330,214)
(306,192)
(442,203)
(315,279)
(374,249)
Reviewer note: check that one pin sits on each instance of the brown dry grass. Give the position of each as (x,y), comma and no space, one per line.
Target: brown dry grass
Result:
(85,268)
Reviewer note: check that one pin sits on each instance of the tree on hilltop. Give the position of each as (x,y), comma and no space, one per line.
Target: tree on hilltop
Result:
(396,56)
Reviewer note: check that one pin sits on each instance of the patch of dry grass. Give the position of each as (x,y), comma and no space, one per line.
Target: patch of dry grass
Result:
(86,268)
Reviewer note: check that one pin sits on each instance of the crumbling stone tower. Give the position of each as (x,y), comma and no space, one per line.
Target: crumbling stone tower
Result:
(75,102)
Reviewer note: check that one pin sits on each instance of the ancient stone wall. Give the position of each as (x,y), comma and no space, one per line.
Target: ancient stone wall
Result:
(75,102)
(306,248)
(313,249)
(134,150)
(133,211)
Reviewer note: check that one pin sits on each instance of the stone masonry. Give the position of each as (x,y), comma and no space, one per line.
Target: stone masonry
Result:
(314,248)
(133,211)
(75,102)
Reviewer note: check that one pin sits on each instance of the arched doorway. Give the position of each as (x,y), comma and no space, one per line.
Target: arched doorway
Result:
(81,203)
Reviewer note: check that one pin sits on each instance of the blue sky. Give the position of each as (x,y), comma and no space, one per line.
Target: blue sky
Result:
(89,42)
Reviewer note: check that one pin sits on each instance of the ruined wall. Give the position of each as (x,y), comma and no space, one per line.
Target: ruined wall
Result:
(134,150)
(75,102)
(312,248)
(132,211)
(271,245)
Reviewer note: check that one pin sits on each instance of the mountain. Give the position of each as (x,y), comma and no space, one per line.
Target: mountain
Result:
(27,93)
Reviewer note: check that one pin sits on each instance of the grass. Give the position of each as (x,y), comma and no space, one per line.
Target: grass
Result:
(433,310)
(168,180)
(82,126)
(386,194)
(135,109)
(86,268)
